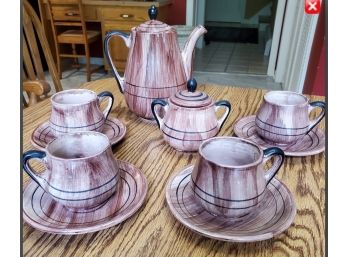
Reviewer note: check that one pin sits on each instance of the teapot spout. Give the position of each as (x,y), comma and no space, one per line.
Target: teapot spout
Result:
(189,47)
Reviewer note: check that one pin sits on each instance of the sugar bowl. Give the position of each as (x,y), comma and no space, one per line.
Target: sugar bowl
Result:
(189,117)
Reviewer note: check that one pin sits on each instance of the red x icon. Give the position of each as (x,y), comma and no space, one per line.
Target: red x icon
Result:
(312,6)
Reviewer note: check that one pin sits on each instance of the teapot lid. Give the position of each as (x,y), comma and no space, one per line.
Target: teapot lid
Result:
(153,25)
(191,98)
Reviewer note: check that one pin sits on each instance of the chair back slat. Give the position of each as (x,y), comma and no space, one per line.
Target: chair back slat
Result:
(25,76)
(28,65)
(32,43)
(31,23)
(34,39)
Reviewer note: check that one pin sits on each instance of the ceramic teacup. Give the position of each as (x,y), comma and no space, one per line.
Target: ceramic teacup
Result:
(284,116)
(81,171)
(228,178)
(78,110)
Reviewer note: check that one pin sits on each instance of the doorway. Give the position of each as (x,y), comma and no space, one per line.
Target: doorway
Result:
(238,38)
(275,58)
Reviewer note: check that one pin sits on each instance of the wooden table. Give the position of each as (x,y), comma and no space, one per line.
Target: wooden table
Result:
(153,231)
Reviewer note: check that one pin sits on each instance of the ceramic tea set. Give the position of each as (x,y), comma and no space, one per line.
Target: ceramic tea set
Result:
(78,110)
(156,68)
(189,117)
(226,194)
(283,121)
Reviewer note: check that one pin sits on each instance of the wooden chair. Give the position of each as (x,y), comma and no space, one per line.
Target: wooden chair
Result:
(34,83)
(35,89)
(65,15)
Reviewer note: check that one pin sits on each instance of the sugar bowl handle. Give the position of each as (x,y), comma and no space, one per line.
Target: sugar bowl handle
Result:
(279,155)
(164,104)
(33,154)
(227,105)
(127,41)
(313,105)
(101,96)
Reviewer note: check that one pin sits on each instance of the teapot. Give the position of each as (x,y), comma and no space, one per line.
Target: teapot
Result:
(189,117)
(156,68)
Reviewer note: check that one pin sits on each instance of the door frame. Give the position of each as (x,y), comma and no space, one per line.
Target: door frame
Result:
(295,44)
(195,15)
(277,32)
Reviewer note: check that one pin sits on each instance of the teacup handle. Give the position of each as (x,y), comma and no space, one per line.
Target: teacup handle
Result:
(101,96)
(227,105)
(164,104)
(268,154)
(312,106)
(33,154)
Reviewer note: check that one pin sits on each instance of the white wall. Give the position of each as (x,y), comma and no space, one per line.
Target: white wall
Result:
(224,10)
(232,11)
(200,17)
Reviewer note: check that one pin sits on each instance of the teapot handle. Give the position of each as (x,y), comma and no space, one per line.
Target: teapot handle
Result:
(227,105)
(126,39)
(163,103)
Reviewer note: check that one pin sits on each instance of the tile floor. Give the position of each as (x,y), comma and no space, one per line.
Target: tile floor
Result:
(238,80)
(73,78)
(231,58)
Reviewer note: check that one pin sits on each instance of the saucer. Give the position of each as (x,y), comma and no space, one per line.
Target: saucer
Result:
(274,214)
(43,213)
(312,143)
(114,129)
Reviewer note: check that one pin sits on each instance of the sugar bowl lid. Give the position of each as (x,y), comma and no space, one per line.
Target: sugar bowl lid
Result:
(153,25)
(191,98)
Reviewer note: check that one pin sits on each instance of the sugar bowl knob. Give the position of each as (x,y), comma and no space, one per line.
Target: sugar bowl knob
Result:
(192,85)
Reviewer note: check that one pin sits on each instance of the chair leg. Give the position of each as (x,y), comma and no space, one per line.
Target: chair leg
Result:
(58,62)
(25,103)
(88,64)
(76,60)
(59,68)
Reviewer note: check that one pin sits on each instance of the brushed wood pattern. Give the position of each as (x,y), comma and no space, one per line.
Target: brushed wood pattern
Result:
(229,179)
(78,109)
(189,117)
(284,117)
(45,214)
(154,231)
(186,128)
(271,216)
(113,128)
(156,68)
(312,143)
(80,170)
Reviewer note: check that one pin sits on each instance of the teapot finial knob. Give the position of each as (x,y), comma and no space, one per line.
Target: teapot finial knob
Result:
(152,12)
(191,85)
